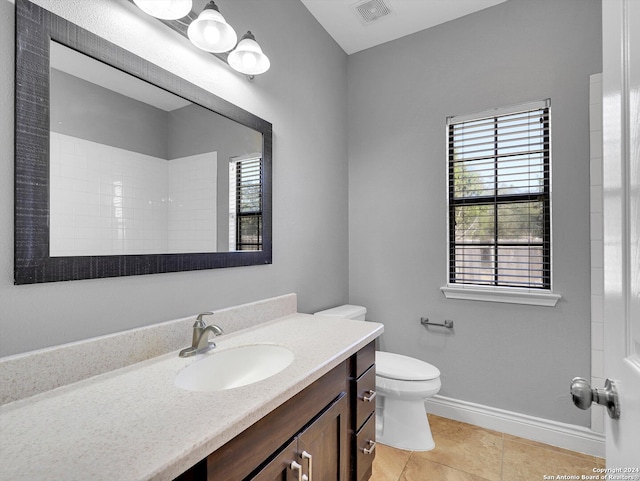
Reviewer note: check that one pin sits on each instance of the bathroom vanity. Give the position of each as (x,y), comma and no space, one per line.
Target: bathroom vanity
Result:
(134,423)
(318,432)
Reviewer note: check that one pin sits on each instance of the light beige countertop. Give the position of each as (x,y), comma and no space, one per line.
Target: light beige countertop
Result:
(133,423)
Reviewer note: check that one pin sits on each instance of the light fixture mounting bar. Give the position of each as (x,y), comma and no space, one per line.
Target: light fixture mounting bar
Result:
(209,31)
(181,25)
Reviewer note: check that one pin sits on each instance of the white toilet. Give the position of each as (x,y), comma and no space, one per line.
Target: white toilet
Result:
(402,385)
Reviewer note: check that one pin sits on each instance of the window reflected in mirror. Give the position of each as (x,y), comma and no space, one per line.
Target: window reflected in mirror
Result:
(245,203)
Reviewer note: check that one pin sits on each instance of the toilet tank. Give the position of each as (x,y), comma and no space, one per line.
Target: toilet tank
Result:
(347,310)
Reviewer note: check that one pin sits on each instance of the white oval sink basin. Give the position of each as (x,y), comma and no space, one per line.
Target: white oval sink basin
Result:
(234,367)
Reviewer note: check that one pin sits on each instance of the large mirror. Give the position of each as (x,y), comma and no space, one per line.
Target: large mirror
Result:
(123,168)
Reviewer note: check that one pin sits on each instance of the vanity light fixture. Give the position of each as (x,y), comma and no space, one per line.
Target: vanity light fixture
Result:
(247,57)
(210,32)
(165,9)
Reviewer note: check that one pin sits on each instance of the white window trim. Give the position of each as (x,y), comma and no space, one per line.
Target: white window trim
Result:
(500,294)
(538,104)
(507,295)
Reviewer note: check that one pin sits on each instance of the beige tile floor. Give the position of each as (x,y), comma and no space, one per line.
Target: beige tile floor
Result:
(465,452)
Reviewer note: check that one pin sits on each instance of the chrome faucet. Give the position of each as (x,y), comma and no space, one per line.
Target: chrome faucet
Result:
(201,342)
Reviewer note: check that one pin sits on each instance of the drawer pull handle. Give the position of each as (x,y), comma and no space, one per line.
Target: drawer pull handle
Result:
(372,447)
(370,397)
(309,458)
(298,467)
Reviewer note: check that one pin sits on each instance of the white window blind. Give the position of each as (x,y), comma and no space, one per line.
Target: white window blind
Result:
(499,198)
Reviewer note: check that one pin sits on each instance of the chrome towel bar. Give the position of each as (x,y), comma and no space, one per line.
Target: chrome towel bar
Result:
(447,323)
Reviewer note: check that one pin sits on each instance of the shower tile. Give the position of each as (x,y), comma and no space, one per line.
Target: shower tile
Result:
(595,171)
(597,336)
(597,363)
(597,281)
(595,92)
(595,117)
(597,249)
(596,225)
(595,192)
(595,139)
(597,308)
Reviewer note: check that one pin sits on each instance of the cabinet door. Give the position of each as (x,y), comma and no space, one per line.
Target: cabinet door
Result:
(282,467)
(323,447)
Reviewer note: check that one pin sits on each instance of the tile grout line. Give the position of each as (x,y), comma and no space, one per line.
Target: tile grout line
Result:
(404,468)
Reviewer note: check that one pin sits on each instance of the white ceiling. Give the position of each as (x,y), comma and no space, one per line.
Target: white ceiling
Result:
(340,19)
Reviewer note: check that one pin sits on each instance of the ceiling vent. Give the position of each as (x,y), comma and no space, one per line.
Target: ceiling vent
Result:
(371,10)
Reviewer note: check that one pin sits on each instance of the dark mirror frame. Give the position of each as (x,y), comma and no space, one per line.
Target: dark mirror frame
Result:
(35,28)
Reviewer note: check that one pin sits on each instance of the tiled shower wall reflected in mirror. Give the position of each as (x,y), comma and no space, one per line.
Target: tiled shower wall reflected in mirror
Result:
(110,201)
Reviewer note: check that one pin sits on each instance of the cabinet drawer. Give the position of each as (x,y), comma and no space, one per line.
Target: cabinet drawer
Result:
(365,449)
(365,357)
(365,396)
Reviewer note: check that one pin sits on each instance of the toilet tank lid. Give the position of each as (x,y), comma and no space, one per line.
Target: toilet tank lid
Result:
(347,310)
(404,368)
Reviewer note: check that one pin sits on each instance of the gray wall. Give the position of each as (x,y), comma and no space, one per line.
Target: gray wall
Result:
(518,358)
(87,111)
(310,243)
(196,130)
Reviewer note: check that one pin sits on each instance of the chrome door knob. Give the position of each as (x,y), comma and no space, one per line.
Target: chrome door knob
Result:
(583,396)
(581,393)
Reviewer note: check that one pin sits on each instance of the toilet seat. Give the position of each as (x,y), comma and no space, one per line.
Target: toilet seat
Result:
(404,368)
(408,390)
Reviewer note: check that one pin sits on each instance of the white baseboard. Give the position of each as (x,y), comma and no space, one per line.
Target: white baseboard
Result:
(567,436)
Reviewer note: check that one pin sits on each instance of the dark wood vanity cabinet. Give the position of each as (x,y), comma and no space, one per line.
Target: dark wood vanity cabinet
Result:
(326,429)
(320,451)
(363,421)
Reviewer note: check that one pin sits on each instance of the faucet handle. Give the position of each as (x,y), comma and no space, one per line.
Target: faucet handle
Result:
(199,322)
(200,340)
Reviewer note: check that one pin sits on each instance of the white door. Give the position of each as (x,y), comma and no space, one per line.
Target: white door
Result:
(621,183)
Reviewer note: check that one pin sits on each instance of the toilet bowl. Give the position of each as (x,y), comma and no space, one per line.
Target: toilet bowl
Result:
(402,385)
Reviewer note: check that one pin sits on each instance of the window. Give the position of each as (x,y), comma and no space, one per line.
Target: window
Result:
(245,203)
(499,199)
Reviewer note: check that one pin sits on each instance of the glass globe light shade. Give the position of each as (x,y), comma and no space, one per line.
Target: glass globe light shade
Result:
(165,9)
(248,58)
(211,32)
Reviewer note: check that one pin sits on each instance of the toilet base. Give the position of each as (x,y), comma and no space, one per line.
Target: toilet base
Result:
(403,425)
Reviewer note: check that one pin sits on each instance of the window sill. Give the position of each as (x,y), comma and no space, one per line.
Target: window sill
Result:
(504,295)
